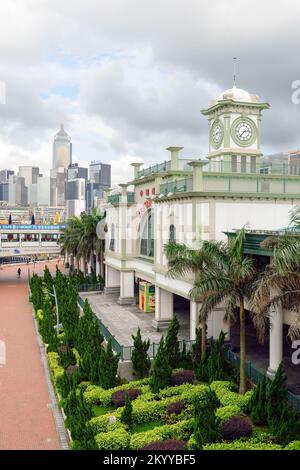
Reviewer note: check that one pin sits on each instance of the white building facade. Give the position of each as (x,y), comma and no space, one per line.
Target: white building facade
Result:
(187,201)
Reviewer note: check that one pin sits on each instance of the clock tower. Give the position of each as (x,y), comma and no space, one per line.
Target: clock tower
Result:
(234,131)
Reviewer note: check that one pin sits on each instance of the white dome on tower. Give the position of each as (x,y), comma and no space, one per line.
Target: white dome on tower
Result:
(237,94)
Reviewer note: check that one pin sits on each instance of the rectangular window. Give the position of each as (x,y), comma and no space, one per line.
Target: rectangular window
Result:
(243,164)
(234,163)
(253,164)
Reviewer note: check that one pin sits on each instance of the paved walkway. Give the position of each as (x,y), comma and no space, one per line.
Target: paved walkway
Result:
(124,320)
(26,420)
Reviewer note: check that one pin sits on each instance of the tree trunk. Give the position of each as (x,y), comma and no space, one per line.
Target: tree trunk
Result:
(242,388)
(203,337)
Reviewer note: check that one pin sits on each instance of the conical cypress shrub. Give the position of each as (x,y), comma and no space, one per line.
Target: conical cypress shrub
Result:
(258,403)
(162,370)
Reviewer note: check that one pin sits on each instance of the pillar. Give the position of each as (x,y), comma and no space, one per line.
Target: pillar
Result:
(127,296)
(163,309)
(194,319)
(136,167)
(275,340)
(90,263)
(216,323)
(112,280)
(197,166)
(174,157)
(98,271)
(81,264)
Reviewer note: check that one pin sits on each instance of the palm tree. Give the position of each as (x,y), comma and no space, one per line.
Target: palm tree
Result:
(80,237)
(228,279)
(280,282)
(71,237)
(222,274)
(89,241)
(187,262)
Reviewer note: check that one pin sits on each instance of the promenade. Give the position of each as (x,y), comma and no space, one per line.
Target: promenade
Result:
(25,409)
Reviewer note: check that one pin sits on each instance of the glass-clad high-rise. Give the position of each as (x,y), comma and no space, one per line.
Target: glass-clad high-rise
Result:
(62,150)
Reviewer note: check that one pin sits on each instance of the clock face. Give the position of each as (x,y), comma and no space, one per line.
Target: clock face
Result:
(243,131)
(217,133)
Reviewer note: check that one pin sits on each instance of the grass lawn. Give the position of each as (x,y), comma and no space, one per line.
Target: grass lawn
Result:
(147,426)
(102,410)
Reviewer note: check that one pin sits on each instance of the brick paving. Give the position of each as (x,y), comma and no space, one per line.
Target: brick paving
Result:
(26,418)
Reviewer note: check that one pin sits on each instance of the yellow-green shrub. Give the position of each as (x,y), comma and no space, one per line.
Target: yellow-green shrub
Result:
(95,395)
(179,431)
(228,397)
(249,444)
(118,439)
(226,412)
(56,370)
(294,445)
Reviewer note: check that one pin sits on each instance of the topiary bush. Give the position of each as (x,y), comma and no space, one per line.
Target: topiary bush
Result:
(56,370)
(95,395)
(249,444)
(118,397)
(227,412)
(168,444)
(179,431)
(294,445)
(236,427)
(117,439)
(183,377)
(228,397)
(176,408)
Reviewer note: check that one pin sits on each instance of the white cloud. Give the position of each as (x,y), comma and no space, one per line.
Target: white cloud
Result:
(143,71)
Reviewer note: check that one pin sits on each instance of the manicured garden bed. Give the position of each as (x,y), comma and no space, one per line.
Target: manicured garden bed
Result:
(198,407)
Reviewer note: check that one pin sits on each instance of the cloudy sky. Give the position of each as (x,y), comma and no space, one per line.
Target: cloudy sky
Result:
(128,77)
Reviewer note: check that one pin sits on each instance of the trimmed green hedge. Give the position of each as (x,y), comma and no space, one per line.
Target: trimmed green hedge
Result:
(227,412)
(186,391)
(180,431)
(228,397)
(117,439)
(95,395)
(56,370)
(294,445)
(249,444)
(142,412)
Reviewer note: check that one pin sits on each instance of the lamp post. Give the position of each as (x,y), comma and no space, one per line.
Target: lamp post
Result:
(56,307)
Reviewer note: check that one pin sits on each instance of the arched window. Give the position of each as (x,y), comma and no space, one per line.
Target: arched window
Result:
(172,234)
(147,238)
(112,238)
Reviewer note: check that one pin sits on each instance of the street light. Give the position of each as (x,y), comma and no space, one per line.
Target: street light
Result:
(58,325)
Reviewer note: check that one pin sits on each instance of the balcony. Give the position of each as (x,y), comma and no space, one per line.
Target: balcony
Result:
(177,186)
(159,167)
(165,166)
(115,199)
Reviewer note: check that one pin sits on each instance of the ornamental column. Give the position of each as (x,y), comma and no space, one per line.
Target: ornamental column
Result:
(197,166)
(194,319)
(276,339)
(163,309)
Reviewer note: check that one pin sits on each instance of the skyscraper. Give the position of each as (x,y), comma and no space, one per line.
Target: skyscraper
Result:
(62,150)
(100,179)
